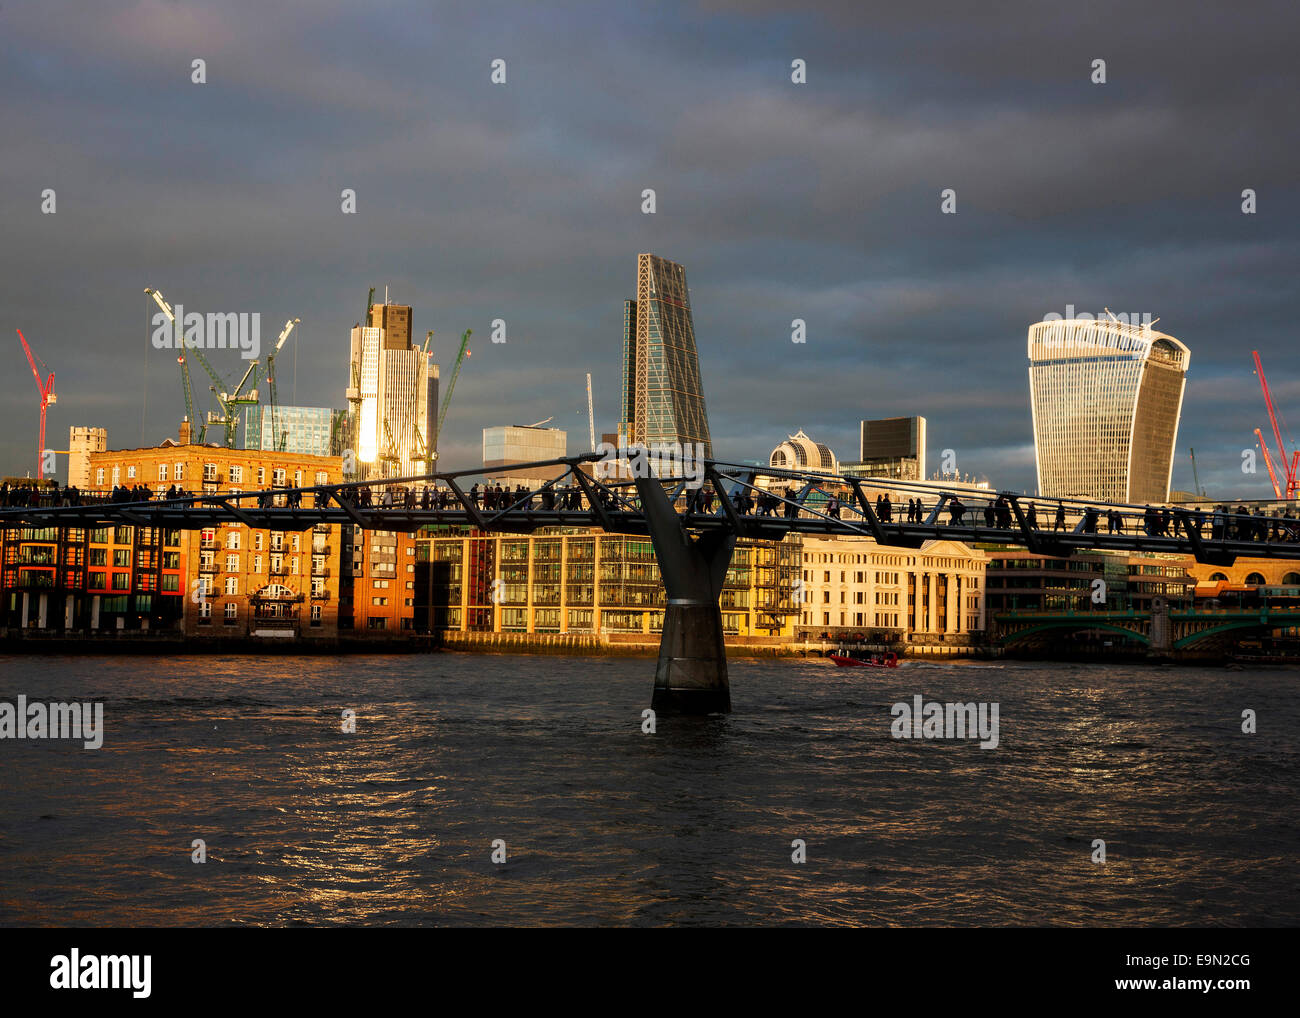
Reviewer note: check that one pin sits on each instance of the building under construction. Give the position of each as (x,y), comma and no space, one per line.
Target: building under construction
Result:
(392,396)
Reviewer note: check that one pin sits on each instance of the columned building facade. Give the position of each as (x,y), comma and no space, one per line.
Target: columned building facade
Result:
(854,585)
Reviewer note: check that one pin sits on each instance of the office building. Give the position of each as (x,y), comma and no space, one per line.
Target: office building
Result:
(506,447)
(663,398)
(392,397)
(582,581)
(307,430)
(891,447)
(1106,401)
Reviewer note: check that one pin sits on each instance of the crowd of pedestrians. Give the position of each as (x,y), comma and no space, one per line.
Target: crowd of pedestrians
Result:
(1223,522)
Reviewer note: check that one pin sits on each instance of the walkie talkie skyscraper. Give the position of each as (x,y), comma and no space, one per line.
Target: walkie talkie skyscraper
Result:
(1106,400)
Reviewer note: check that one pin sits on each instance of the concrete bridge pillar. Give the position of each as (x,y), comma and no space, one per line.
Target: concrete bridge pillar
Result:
(691,677)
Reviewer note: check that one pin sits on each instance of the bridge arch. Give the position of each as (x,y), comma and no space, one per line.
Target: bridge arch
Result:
(1075,624)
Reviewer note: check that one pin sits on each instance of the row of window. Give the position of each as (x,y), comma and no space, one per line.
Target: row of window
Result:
(176,472)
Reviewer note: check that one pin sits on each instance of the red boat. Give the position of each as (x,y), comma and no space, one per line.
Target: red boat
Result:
(874,661)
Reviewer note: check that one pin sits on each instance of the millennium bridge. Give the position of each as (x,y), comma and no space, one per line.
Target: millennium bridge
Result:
(693,519)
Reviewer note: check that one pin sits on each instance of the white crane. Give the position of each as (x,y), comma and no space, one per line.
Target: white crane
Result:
(591,415)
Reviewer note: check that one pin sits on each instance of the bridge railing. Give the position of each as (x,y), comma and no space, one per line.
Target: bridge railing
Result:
(751,499)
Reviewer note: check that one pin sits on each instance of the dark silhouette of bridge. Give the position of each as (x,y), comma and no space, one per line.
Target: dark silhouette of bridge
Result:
(693,518)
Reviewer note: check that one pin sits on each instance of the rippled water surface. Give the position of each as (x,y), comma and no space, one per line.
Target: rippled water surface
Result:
(605,825)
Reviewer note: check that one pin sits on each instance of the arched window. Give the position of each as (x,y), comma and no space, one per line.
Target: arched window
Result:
(1291,580)
(1255,580)
(1218,578)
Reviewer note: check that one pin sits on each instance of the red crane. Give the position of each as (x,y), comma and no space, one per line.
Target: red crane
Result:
(47,397)
(1289,463)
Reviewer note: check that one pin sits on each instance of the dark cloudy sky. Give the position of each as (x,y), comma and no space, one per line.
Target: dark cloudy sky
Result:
(523,202)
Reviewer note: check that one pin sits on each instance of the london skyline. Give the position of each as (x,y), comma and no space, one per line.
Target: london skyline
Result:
(522,201)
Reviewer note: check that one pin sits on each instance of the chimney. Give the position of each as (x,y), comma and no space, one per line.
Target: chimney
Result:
(185,431)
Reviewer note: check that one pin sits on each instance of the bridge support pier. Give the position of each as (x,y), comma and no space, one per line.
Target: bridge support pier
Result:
(691,677)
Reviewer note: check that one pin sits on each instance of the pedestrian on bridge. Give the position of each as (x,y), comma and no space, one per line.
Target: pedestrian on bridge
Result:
(1060,517)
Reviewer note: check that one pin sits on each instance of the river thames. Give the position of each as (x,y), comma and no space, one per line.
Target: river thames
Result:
(603,824)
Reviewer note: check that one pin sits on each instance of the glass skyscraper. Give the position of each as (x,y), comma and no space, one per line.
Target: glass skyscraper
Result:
(663,400)
(1106,400)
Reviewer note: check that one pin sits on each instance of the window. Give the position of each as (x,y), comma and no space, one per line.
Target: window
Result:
(322,478)
(232,563)
(99,477)
(257,541)
(261,476)
(232,585)
(257,563)
(232,539)
(278,477)
(162,471)
(130,473)
(232,611)
(297,478)
(205,612)
(236,475)
(315,615)
(379,602)
(209,472)
(178,471)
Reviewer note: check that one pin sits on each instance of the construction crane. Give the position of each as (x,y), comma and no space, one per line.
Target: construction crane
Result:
(228,418)
(46,389)
(1268,462)
(1289,463)
(591,415)
(278,441)
(1196,478)
(187,386)
(451,386)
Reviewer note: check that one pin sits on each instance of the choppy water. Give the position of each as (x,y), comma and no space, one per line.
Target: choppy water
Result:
(606,825)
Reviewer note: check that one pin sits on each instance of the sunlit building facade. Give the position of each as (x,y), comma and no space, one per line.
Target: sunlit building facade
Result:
(392,395)
(663,398)
(1106,399)
(581,581)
